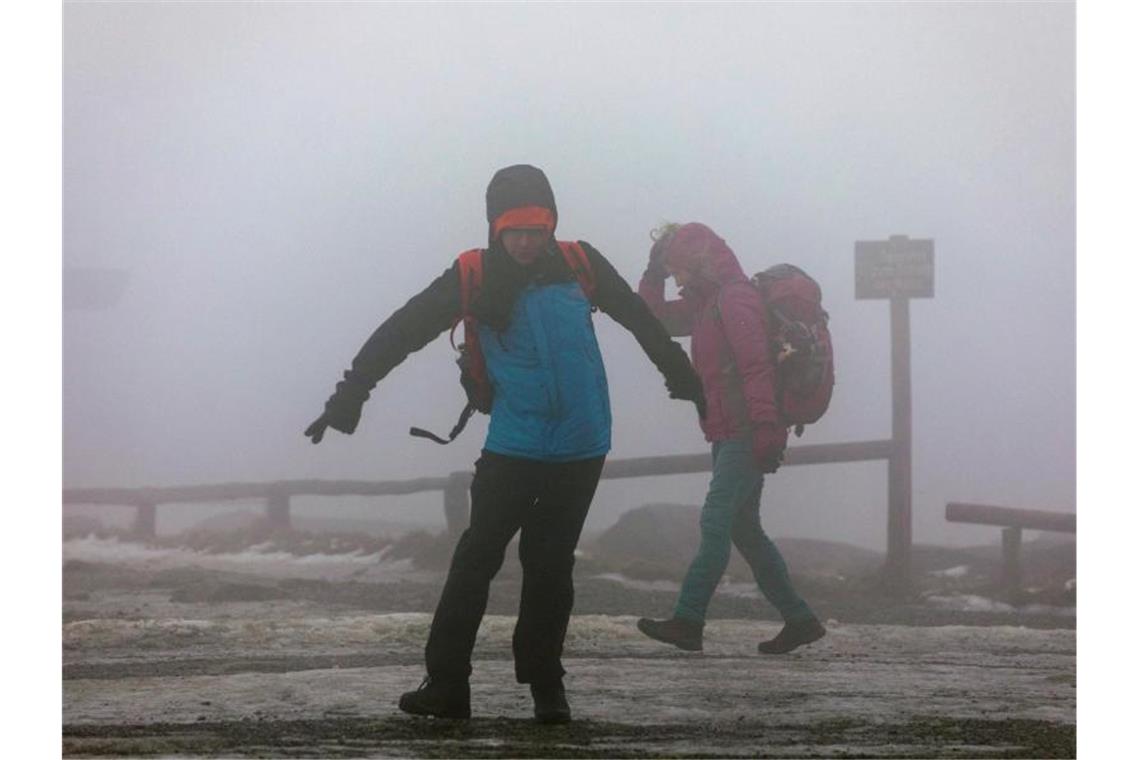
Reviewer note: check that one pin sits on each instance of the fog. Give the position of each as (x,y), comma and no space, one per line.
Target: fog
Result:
(275,179)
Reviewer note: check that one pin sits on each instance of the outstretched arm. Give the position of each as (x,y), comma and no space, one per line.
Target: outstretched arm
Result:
(410,328)
(614,296)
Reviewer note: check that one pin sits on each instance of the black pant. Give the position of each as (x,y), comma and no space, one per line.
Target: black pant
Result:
(548,502)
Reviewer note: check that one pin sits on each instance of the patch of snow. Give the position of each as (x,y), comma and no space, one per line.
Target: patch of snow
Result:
(394,631)
(1046,609)
(745,589)
(729,587)
(975,603)
(968,603)
(639,584)
(959,571)
(261,559)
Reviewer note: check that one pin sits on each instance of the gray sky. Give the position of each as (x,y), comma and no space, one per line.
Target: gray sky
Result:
(277,178)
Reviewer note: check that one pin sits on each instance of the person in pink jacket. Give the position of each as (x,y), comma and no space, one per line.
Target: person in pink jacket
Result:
(728,323)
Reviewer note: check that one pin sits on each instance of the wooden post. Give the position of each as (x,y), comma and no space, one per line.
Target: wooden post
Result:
(145,520)
(277,511)
(1011,563)
(456,509)
(899,469)
(897,269)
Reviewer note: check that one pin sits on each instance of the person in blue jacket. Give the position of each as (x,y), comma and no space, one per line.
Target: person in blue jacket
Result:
(547,439)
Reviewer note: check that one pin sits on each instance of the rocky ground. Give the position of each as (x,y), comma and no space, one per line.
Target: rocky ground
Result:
(166,656)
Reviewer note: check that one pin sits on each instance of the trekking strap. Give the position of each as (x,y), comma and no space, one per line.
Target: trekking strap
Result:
(455,431)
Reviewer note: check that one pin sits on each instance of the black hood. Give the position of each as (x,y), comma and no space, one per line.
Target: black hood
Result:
(517,186)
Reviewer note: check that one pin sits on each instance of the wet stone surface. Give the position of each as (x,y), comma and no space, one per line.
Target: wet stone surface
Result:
(871,691)
(302,658)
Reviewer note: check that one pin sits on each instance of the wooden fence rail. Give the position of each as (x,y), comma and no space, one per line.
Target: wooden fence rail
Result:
(1028,519)
(277,494)
(1012,521)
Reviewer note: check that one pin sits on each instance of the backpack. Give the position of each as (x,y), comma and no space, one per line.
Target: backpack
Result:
(799,343)
(472,365)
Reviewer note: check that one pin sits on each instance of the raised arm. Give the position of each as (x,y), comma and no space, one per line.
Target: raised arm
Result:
(678,315)
(408,329)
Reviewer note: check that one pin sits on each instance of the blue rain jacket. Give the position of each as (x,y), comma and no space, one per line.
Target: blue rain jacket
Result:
(551,400)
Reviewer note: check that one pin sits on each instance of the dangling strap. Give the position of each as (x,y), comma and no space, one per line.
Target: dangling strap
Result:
(464,416)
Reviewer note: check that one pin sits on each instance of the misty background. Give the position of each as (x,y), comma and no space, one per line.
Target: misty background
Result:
(276,179)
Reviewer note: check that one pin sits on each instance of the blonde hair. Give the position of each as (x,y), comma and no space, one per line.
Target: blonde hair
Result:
(663,231)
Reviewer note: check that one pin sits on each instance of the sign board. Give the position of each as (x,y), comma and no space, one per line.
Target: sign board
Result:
(894,268)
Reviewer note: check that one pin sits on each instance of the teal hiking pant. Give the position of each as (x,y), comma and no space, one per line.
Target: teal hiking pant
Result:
(731,516)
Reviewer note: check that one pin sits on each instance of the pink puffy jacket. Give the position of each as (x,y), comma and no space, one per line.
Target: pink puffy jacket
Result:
(728,351)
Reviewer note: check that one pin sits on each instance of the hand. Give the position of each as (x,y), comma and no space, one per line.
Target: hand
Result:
(688,388)
(768,444)
(342,412)
(316,431)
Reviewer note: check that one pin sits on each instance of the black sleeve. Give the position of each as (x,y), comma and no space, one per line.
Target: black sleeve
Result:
(410,328)
(614,296)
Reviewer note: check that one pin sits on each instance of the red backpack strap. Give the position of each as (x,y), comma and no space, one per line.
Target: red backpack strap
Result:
(470,283)
(579,264)
(473,367)
(470,276)
(473,373)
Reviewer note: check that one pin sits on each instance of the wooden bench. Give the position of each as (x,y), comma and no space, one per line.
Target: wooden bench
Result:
(1012,522)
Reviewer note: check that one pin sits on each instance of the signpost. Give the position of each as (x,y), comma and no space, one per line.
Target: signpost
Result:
(897,269)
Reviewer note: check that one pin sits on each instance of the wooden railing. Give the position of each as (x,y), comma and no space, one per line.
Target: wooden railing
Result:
(1012,522)
(277,495)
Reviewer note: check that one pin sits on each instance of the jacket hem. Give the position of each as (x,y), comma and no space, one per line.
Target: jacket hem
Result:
(555,458)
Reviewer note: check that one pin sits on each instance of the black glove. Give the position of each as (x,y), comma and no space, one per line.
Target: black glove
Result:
(342,412)
(687,387)
(337,418)
(316,431)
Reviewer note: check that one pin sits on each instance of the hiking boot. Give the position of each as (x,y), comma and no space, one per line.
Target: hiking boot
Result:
(681,633)
(793,635)
(440,699)
(550,705)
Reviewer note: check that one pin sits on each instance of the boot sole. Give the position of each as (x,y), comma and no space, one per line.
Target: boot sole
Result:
(444,714)
(684,646)
(797,645)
